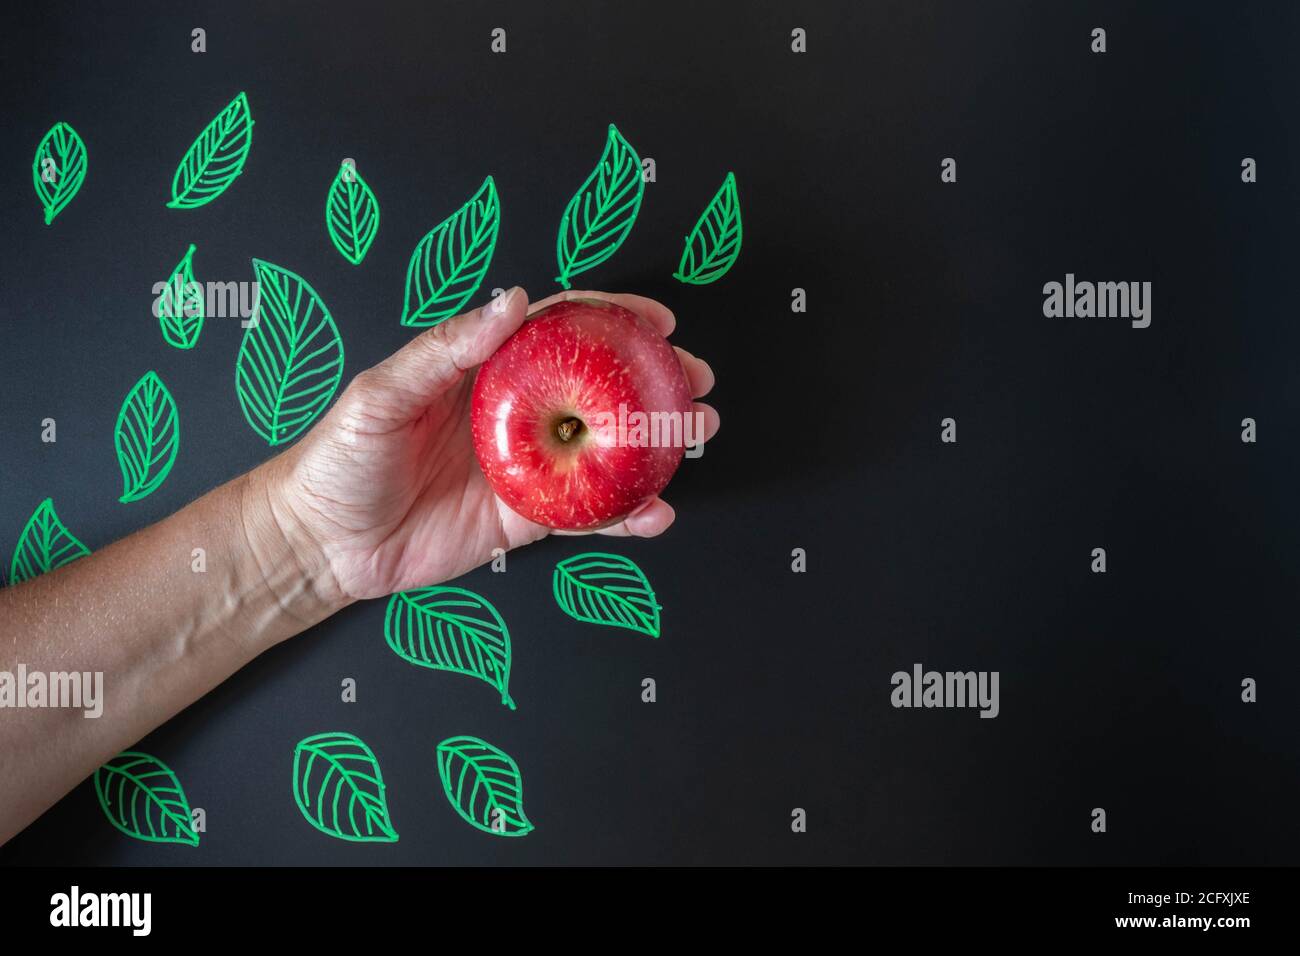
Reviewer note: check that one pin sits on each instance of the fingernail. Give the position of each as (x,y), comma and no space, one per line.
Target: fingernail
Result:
(502,302)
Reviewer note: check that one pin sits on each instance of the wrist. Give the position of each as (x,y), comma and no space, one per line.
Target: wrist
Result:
(282,556)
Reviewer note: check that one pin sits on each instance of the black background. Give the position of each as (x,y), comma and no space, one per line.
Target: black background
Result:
(1119,691)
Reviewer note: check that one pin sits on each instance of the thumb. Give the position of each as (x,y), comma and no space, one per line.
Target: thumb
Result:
(438,358)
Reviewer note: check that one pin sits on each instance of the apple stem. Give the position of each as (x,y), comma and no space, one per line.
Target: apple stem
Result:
(568,428)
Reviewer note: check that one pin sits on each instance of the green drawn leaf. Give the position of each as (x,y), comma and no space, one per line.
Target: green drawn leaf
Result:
(59,168)
(180,305)
(147,436)
(714,243)
(45,544)
(451,629)
(214,159)
(291,358)
(351,214)
(449,263)
(602,211)
(484,786)
(339,789)
(142,797)
(606,589)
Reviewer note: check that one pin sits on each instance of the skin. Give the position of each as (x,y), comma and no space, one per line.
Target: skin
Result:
(382,494)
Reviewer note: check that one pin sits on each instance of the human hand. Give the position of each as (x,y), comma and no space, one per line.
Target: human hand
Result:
(385,493)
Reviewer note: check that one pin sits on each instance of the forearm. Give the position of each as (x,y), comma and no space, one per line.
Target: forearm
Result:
(162,623)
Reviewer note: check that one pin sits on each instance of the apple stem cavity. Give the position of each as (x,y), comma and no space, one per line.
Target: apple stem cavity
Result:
(568,429)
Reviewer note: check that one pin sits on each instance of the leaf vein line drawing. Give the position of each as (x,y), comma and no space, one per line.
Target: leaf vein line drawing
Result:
(290,361)
(181,305)
(451,629)
(599,588)
(44,544)
(141,808)
(351,773)
(62,155)
(351,214)
(602,212)
(494,803)
(714,244)
(147,437)
(449,263)
(215,158)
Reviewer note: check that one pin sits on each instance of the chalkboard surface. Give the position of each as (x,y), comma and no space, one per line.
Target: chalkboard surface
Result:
(924,302)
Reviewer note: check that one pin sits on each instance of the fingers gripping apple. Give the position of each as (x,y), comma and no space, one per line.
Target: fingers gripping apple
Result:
(581,416)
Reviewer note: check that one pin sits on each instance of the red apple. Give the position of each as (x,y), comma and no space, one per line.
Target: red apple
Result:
(581,416)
